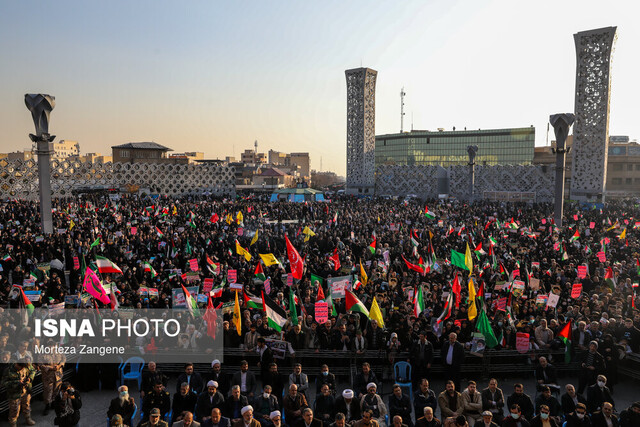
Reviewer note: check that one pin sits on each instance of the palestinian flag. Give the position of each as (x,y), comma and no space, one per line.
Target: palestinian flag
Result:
(251,301)
(106,266)
(610,278)
(418,302)
(565,336)
(446,312)
(192,305)
(492,241)
(419,268)
(149,269)
(329,301)
(276,316)
(26,302)
(159,233)
(478,251)
(259,273)
(372,246)
(428,213)
(414,238)
(575,237)
(352,303)
(293,312)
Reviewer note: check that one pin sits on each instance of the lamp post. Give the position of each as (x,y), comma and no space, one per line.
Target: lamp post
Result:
(40,106)
(561,124)
(472,151)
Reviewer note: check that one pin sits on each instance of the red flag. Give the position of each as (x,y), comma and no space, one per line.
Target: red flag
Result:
(320,296)
(210,317)
(214,218)
(295,262)
(336,259)
(456,289)
(413,267)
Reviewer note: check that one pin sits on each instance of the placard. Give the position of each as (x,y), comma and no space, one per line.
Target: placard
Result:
(601,256)
(522,342)
(236,286)
(72,300)
(232,276)
(279,348)
(289,279)
(76,263)
(576,290)
(337,285)
(143,290)
(553,300)
(134,231)
(240,231)
(534,283)
(541,300)
(203,298)
(178,296)
(518,288)
(582,271)
(153,292)
(322,312)
(33,296)
(208,285)
(267,286)
(592,225)
(193,264)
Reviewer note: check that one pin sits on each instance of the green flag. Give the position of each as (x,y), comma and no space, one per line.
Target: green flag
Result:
(187,248)
(484,327)
(315,278)
(458,259)
(292,308)
(95,243)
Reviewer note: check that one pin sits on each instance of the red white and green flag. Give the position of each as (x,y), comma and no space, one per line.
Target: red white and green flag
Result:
(428,213)
(26,302)
(192,305)
(252,301)
(565,336)
(148,268)
(352,303)
(276,316)
(575,236)
(106,266)
(446,312)
(6,258)
(372,246)
(418,302)
(159,233)
(259,273)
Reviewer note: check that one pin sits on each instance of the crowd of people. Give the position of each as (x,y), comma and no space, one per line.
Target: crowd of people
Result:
(445,278)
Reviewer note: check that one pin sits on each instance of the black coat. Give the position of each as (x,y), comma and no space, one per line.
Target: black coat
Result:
(525,403)
(341,406)
(596,396)
(567,403)
(230,406)
(181,404)
(458,354)
(400,407)
(205,405)
(550,370)
(125,411)
(487,398)
(420,402)
(314,423)
(196,384)
(598,420)
(69,419)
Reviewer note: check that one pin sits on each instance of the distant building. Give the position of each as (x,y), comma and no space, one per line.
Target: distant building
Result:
(95,158)
(301,160)
(623,166)
(144,152)
(64,148)
(277,158)
(325,179)
(273,178)
(22,155)
(513,146)
(191,156)
(251,156)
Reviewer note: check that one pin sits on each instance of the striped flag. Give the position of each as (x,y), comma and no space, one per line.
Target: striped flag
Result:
(446,312)
(418,302)
(192,305)
(276,316)
(106,266)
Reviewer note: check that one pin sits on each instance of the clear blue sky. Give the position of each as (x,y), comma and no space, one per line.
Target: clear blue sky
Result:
(214,76)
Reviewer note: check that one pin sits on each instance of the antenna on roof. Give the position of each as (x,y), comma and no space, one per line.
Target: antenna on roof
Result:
(402,94)
(412,121)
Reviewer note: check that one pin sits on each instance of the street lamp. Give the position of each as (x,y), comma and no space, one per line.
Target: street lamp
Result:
(472,151)
(561,124)
(40,106)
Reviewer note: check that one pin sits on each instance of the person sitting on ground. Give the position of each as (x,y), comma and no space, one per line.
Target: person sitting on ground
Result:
(367,420)
(184,401)
(123,405)
(400,404)
(486,421)
(515,417)
(373,402)
(429,420)
(348,406)
(471,403)
(544,418)
(308,419)
(450,402)
(578,418)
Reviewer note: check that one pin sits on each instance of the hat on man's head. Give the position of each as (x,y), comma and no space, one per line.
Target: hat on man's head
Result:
(212,383)
(347,394)
(155,411)
(246,408)
(274,414)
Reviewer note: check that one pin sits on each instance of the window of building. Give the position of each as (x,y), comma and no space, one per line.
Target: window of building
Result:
(629,167)
(124,153)
(617,167)
(638,167)
(616,181)
(139,154)
(627,181)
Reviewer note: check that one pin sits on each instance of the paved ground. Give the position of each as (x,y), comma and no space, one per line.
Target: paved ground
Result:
(95,403)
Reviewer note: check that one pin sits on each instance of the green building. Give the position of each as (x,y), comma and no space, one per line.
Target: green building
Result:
(449,148)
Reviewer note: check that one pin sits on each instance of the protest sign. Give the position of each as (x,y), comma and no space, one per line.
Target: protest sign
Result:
(522,342)
(232,276)
(322,312)
(576,290)
(337,285)
(208,285)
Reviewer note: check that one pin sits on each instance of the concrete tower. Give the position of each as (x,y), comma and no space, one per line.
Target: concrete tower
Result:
(591,129)
(361,130)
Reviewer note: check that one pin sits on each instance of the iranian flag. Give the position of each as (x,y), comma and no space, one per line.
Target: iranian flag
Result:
(492,241)
(192,305)
(6,258)
(352,303)
(106,266)
(251,301)
(418,302)
(149,269)
(276,316)
(565,336)
(428,213)
(259,273)
(372,246)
